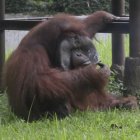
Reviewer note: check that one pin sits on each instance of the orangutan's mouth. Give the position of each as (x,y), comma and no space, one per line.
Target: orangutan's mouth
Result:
(86,63)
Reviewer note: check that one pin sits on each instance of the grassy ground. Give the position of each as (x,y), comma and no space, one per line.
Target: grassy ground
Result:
(110,125)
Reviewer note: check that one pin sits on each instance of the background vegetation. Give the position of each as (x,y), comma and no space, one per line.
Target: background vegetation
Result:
(55,6)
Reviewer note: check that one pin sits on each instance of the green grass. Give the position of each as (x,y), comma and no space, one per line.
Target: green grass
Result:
(109,125)
(103,45)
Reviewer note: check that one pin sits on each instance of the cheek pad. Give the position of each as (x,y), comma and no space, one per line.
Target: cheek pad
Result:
(65,54)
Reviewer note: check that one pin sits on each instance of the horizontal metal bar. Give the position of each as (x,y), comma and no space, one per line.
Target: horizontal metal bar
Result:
(18,24)
(116,27)
(31,18)
(120,26)
(123,18)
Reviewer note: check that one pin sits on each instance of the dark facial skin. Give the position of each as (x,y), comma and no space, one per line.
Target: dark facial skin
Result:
(77,51)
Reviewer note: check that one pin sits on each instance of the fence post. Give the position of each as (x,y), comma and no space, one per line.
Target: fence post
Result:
(132,63)
(118,57)
(2,39)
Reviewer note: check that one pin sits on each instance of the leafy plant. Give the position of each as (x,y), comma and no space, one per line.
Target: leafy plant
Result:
(54,6)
